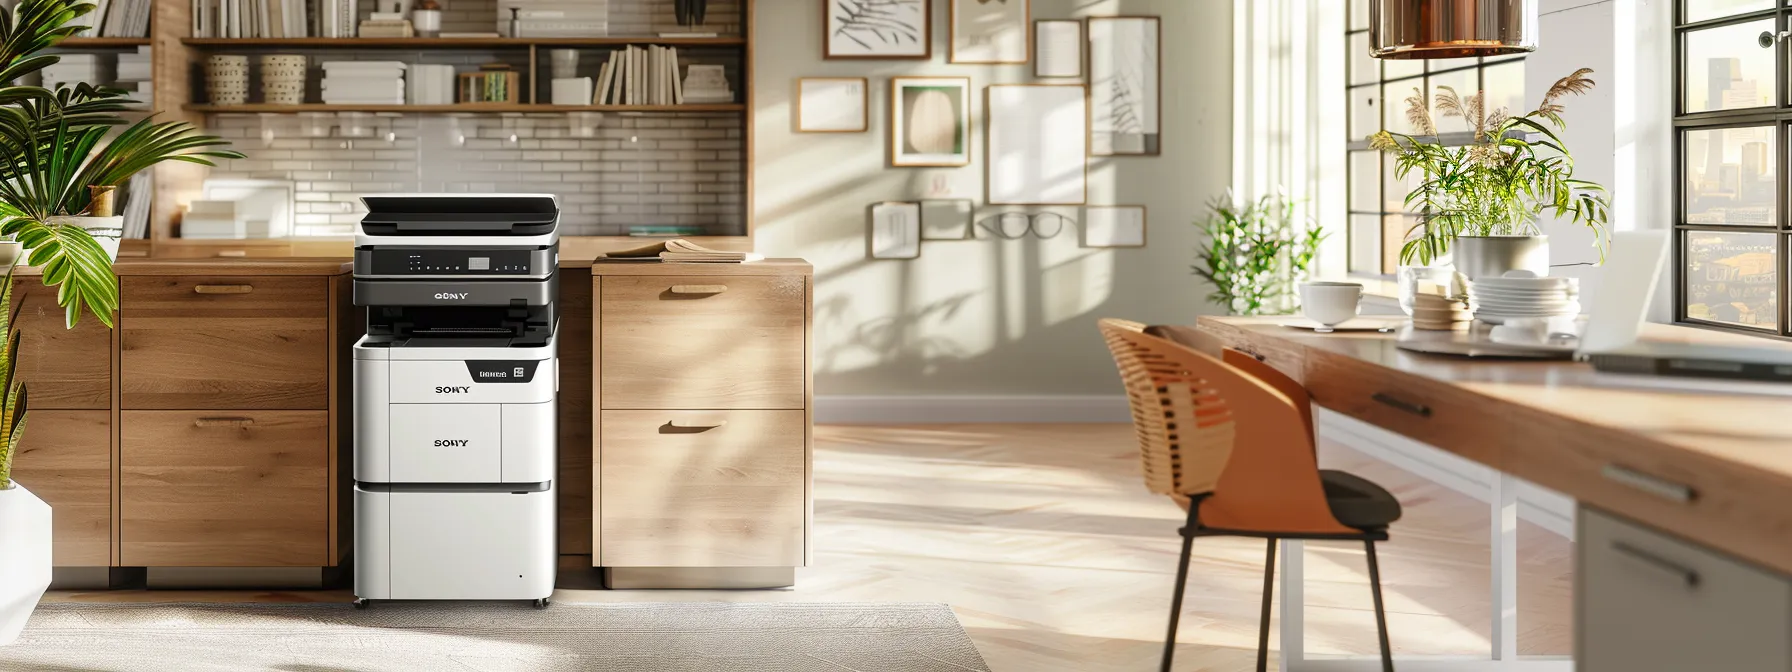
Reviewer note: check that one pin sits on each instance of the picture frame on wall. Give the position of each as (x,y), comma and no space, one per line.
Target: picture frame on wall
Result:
(895,230)
(947,218)
(1125,69)
(930,122)
(1114,226)
(833,105)
(991,31)
(1037,144)
(877,29)
(1058,48)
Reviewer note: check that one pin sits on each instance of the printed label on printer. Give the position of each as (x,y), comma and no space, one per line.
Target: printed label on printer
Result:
(463,389)
(452,296)
(502,371)
(451,443)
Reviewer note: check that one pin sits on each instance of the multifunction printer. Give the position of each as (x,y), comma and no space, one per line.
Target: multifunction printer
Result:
(455,386)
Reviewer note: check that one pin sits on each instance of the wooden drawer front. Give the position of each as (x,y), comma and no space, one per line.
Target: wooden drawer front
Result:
(65,457)
(1646,601)
(251,342)
(1415,407)
(702,342)
(65,368)
(701,488)
(224,488)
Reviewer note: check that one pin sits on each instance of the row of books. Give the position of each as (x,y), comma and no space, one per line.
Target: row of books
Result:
(637,75)
(117,18)
(272,18)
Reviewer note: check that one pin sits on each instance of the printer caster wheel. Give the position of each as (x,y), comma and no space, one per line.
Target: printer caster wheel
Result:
(541,603)
(361,602)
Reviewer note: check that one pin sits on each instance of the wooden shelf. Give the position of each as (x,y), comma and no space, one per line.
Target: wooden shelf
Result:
(101,42)
(459,42)
(467,108)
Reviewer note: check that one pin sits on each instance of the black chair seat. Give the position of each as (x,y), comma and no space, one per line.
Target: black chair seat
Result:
(1357,502)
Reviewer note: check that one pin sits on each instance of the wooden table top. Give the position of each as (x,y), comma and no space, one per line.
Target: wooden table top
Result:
(233,266)
(1554,422)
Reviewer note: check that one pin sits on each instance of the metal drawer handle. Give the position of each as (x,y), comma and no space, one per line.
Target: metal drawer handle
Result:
(1386,399)
(1682,572)
(223,289)
(699,289)
(223,422)
(234,253)
(694,427)
(1678,493)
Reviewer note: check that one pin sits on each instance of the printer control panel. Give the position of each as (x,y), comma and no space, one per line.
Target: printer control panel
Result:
(438,261)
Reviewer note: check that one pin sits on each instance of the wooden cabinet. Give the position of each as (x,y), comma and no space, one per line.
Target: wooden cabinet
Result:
(703,341)
(703,488)
(66,459)
(224,488)
(225,342)
(64,368)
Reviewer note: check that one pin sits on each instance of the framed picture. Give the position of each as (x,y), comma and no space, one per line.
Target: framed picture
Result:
(877,29)
(1114,226)
(1125,83)
(832,105)
(895,230)
(1058,48)
(946,219)
(930,121)
(1038,144)
(991,31)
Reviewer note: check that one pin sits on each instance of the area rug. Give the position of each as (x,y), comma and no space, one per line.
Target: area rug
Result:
(480,637)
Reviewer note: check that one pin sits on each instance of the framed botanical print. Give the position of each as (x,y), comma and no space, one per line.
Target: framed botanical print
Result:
(877,29)
(1125,86)
(930,121)
(991,31)
(832,105)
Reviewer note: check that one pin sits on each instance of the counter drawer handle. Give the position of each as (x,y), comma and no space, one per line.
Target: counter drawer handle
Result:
(234,253)
(1682,572)
(1678,493)
(223,289)
(1386,399)
(224,422)
(699,289)
(689,426)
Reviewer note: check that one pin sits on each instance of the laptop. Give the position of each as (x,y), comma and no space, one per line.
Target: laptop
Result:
(1611,341)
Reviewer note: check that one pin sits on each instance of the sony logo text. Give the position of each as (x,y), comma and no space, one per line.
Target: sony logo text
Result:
(452,296)
(463,389)
(451,443)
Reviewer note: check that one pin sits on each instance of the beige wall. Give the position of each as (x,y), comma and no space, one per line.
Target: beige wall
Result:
(986,316)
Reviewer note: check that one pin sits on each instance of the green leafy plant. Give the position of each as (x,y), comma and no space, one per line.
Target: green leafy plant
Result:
(1255,253)
(12,399)
(1514,169)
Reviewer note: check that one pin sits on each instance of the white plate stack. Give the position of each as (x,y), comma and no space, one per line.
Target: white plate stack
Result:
(1520,294)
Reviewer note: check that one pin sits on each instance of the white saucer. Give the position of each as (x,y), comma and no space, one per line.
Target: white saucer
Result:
(1352,324)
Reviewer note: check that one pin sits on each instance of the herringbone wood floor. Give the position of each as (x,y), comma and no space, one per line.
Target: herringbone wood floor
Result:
(1055,558)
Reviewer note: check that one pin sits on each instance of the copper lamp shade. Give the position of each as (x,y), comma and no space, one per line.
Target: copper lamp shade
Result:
(1411,29)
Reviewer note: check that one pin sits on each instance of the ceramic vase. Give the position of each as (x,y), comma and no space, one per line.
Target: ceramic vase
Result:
(227,79)
(1491,256)
(283,79)
(105,230)
(24,558)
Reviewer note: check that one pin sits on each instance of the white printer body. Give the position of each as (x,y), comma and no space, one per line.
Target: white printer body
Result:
(455,398)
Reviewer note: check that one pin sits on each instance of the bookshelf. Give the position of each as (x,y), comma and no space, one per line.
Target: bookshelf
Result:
(461,108)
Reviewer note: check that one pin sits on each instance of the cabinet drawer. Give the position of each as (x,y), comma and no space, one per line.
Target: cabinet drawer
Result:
(1646,601)
(232,342)
(1413,406)
(731,342)
(224,488)
(65,457)
(65,368)
(702,488)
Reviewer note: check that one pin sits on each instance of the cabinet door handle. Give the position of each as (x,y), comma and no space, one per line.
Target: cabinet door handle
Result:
(1686,574)
(693,427)
(223,289)
(1679,493)
(1391,401)
(234,253)
(699,289)
(223,422)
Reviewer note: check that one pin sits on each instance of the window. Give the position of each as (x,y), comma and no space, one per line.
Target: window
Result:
(1731,121)
(1376,93)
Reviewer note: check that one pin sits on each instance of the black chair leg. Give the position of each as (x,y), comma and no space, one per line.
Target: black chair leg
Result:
(1381,616)
(1188,542)
(1269,590)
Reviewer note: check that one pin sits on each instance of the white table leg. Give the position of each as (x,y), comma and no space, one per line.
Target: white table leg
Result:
(1505,568)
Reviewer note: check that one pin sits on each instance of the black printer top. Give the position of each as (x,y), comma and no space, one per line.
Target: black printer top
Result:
(459,215)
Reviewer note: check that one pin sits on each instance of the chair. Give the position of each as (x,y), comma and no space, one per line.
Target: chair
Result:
(1232,442)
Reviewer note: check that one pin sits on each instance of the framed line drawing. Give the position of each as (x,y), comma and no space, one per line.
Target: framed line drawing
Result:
(833,105)
(895,230)
(1114,226)
(1038,144)
(990,31)
(1058,48)
(1125,86)
(946,218)
(930,121)
(877,29)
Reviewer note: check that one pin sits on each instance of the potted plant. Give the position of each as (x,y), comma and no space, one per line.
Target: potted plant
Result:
(1255,254)
(58,156)
(1481,200)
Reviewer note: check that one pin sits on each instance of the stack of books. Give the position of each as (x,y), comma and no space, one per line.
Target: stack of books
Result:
(364,82)
(134,76)
(640,76)
(556,18)
(75,69)
(387,24)
(679,250)
(254,18)
(118,18)
(137,194)
(432,84)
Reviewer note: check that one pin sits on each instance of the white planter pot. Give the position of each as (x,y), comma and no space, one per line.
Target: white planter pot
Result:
(24,558)
(10,250)
(106,230)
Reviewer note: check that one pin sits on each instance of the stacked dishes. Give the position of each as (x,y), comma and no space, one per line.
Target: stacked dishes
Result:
(1436,312)
(1519,295)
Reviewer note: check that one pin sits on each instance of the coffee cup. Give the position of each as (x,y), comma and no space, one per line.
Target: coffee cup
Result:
(1330,303)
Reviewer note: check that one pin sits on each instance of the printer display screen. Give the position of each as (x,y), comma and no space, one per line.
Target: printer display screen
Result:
(421,261)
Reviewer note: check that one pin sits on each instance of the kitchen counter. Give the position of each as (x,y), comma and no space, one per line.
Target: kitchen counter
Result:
(246,266)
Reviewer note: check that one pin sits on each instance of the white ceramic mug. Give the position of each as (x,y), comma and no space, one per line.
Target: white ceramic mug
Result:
(1330,303)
